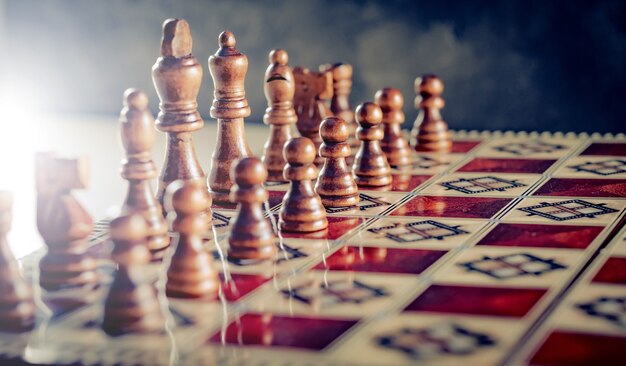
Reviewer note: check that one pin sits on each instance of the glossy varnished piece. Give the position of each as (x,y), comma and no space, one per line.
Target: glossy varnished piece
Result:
(251,235)
(177,76)
(370,167)
(335,184)
(138,168)
(191,273)
(280,115)
(394,144)
(302,209)
(430,131)
(340,102)
(313,90)
(63,223)
(228,69)
(17,307)
(131,306)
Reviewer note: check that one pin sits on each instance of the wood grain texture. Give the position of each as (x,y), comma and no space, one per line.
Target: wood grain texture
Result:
(393,144)
(430,131)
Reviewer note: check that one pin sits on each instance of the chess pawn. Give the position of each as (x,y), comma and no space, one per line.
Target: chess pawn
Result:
(280,115)
(393,144)
(64,224)
(228,69)
(313,90)
(17,307)
(191,273)
(137,131)
(335,183)
(340,104)
(430,131)
(251,234)
(177,76)
(131,305)
(302,209)
(370,167)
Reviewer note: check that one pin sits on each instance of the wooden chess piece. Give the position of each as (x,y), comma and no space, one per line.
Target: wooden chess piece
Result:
(430,131)
(228,69)
(313,90)
(251,234)
(280,115)
(191,273)
(131,305)
(302,209)
(17,306)
(335,183)
(177,76)
(370,167)
(394,145)
(64,224)
(340,103)
(137,132)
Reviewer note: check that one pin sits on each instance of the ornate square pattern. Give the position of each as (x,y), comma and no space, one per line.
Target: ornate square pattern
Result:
(602,167)
(587,211)
(447,206)
(327,293)
(512,265)
(481,184)
(370,204)
(527,148)
(609,308)
(441,339)
(416,231)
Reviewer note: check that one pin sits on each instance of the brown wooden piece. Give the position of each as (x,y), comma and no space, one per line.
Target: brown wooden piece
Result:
(131,305)
(137,132)
(335,183)
(251,235)
(17,306)
(228,69)
(370,167)
(313,90)
(302,209)
(430,131)
(191,273)
(280,115)
(63,223)
(340,102)
(177,76)
(393,144)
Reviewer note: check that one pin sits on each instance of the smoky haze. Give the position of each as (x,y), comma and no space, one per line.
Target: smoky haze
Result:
(518,65)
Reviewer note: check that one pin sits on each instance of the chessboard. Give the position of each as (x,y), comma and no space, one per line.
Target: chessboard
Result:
(509,249)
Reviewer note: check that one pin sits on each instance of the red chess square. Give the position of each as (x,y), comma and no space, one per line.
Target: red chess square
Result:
(493,165)
(241,285)
(269,330)
(337,227)
(381,260)
(447,206)
(606,149)
(493,301)
(407,183)
(613,271)
(580,187)
(568,348)
(463,146)
(541,236)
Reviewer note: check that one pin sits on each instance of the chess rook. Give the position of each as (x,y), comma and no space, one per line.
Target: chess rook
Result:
(393,144)
(302,209)
(335,183)
(131,305)
(340,102)
(177,76)
(370,167)
(138,168)
(251,234)
(63,223)
(280,115)
(191,273)
(17,307)
(313,90)
(430,131)
(228,69)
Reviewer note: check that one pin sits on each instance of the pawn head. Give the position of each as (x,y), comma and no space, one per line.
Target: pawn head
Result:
(299,150)
(135,98)
(131,228)
(389,99)
(186,197)
(278,56)
(368,113)
(334,130)
(249,171)
(429,84)
(227,39)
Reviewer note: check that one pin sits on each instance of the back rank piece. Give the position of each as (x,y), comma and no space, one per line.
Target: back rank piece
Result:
(177,76)
(228,69)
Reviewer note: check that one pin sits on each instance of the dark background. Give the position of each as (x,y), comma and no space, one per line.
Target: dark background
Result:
(513,65)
